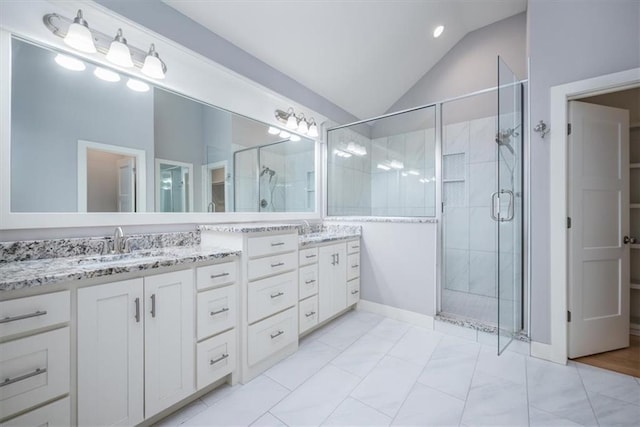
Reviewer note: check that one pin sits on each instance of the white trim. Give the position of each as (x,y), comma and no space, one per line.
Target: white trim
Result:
(156,176)
(141,171)
(541,350)
(421,320)
(558,198)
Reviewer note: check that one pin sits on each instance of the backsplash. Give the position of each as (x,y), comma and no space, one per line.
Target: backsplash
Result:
(61,248)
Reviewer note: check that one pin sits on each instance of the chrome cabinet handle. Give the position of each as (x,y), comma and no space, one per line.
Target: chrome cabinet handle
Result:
(137,310)
(8,381)
(23,316)
(628,240)
(219,359)
(222,310)
(355,247)
(277,244)
(277,334)
(278,264)
(355,291)
(333,259)
(276,295)
(495,196)
(338,258)
(153,305)
(308,282)
(215,276)
(355,266)
(310,256)
(309,314)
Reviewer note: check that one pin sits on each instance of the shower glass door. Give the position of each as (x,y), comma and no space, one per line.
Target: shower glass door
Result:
(506,205)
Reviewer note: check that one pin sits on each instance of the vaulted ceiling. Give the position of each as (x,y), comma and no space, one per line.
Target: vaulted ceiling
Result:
(361,55)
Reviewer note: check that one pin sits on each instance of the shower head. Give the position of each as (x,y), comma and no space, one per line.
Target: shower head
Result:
(503,138)
(266,170)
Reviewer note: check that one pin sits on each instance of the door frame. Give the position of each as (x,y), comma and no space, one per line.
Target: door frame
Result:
(206,183)
(557,349)
(158,163)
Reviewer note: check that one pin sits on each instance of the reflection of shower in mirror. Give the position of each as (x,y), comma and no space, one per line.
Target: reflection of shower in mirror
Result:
(264,203)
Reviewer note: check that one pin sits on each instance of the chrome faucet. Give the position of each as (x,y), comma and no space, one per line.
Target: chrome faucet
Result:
(307,227)
(118,240)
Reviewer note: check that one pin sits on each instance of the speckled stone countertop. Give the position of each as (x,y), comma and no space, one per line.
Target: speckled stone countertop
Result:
(248,227)
(399,220)
(329,233)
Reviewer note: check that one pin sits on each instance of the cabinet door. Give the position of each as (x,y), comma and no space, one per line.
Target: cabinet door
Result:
(169,370)
(110,354)
(332,292)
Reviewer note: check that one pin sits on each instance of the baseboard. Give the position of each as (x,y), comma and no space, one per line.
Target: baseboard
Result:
(421,320)
(547,352)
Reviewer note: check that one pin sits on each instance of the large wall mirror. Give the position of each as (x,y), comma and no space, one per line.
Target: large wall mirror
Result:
(88,139)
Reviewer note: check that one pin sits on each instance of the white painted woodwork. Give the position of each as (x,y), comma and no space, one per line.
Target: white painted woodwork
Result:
(271,295)
(308,256)
(51,308)
(111,354)
(216,357)
(267,266)
(308,314)
(332,291)
(599,208)
(271,335)
(57,413)
(48,350)
(217,311)
(169,340)
(215,275)
(353,246)
(353,291)
(353,266)
(307,281)
(271,245)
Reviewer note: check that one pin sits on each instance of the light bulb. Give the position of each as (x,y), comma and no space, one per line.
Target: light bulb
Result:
(438,31)
(119,52)
(79,36)
(152,65)
(313,129)
(295,138)
(137,85)
(273,130)
(106,75)
(303,127)
(69,63)
(292,122)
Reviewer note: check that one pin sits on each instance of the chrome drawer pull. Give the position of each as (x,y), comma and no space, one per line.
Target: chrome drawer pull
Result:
(311,313)
(355,247)
(219,359)
(215,276)
(23,316)
(277,244)
(310,256)
(277,334)
(137,310)
(222,310)
(279,294)
(354,292)
(153,305)
(309,282)
(355,266)
(279,264)
(9,381)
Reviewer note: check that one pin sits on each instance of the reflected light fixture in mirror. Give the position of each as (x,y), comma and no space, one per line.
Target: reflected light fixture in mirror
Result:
(438,31)
(284,134)
(295,138)
(273,130)
(137,85)
(78,35)
(106,75)
(69,63)
(119,52)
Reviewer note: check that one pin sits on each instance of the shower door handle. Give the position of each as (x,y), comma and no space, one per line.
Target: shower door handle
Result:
(495,206)
(510,210)
(495,213)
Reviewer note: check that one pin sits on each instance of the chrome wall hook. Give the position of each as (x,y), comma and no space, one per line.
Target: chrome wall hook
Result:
(541,128)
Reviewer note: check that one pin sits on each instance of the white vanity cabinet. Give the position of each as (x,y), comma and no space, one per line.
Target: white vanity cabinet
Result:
(35,368)
(136,350)
(332,271)
(353,272)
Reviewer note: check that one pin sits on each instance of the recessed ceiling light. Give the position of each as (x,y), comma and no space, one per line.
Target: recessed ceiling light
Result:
(438,31)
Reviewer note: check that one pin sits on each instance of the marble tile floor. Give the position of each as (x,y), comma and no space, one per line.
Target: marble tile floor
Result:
(368,370)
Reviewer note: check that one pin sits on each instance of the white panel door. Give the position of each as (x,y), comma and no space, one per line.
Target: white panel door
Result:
(599,209)
(169,369)
(110,354)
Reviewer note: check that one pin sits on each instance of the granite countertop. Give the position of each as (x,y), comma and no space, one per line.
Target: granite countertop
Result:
(330,233)
(46,271)
(248,227)
(396,220)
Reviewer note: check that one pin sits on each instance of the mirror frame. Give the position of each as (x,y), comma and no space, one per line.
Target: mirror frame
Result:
(190,75)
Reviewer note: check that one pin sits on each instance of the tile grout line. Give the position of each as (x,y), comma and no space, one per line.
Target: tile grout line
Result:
(466,399)
(595,416)
(526,389)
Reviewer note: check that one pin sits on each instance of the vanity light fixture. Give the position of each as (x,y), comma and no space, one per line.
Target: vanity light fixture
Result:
(70,63)
(119,52)
(303,126)
(137,85)
(438,31)
(298,123)
(79,36)
(106,75)
(292,120)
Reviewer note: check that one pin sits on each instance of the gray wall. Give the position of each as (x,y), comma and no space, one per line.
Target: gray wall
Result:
(568,41)
(53,108)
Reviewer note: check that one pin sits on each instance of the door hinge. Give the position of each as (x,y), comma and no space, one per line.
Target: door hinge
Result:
(568,128)
(568,316)
(442,207)
(568,222)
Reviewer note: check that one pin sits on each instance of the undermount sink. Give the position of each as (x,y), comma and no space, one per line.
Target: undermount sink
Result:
(121,258)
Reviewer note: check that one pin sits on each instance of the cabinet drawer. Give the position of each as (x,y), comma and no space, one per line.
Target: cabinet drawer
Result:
(353,246)
(216,357)
(37,368)
(217,311)
(54,414)
(308,310)
(271,335)
(270,245)
(353,266)
(353,291)
(263,267)
(216,275)
(308,281)
(308,256)
(30,313)
(268,296)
